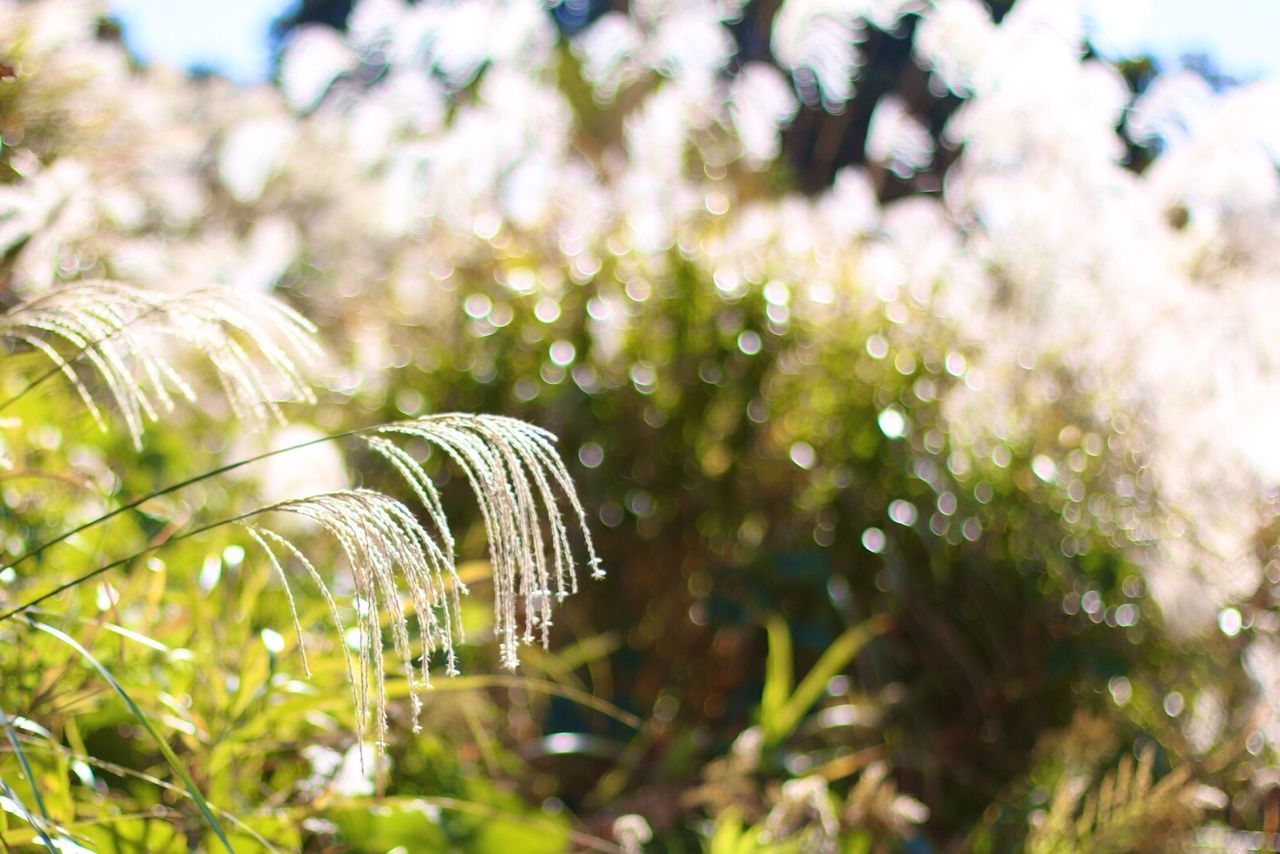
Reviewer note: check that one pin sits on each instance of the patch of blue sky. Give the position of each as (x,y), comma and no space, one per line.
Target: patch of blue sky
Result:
(1240,36)
(231,36)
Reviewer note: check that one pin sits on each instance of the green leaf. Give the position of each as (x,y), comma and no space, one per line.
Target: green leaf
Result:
(730,837)
(778,675)
(25,815)
(169,755)
(31,780)
(781,720)
(499,836)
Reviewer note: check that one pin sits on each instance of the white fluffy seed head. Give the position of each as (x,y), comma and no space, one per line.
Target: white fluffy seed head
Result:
(394,563)
(400,564)
(255,344)
(515,472)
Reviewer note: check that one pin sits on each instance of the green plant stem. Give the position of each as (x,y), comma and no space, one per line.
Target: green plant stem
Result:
(138,502)
(106,567)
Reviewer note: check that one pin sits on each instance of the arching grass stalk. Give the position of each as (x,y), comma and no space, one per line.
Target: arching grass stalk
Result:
(510,465)
(107,567)
(182,484)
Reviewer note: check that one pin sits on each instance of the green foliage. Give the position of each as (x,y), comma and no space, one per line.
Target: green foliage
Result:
(165,750)
(781,707)
(940,610)
(732,837)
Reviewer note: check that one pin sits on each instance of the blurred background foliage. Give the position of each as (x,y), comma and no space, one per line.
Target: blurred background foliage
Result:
(838,616)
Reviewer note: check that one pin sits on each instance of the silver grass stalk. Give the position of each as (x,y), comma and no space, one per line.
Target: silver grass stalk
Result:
(254,343)
(386,549)
(512,468)
(514,471)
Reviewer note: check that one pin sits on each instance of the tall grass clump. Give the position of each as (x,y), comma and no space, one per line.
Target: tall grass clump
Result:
(131,357)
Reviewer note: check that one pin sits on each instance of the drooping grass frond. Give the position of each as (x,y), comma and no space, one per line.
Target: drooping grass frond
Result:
(498,455)
(254,343)
(387,550)
(261,537)
(514,471)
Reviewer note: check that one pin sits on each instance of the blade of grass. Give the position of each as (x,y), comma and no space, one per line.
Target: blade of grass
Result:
(778,675)
(122,771)
(130,634)
(604,707)
(26,814)
(788,716)
(26,767)
(142,719)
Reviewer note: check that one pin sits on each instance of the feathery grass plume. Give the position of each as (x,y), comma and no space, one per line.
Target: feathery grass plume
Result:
(513,469)
(254,343)
(383,543)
